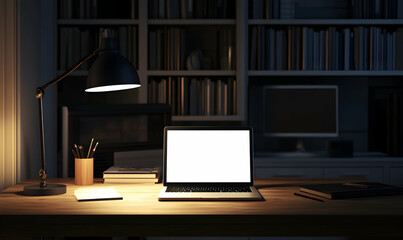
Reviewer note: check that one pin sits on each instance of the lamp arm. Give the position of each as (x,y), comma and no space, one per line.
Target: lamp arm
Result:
(39,92)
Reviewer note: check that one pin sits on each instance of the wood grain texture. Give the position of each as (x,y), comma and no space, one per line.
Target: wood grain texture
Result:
(141,214)
(84,171)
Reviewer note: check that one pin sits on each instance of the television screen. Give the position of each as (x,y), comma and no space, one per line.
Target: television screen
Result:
(301,111)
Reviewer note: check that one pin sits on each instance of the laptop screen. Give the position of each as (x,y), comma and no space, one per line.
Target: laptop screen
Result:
(208,156)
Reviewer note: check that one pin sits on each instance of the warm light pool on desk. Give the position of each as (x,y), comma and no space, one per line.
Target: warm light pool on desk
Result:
(97,194)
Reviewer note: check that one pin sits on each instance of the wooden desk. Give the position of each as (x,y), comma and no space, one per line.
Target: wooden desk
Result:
(141,214)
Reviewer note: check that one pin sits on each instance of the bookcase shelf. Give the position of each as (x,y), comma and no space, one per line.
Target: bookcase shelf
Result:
(240,25)
(325,47)
(326,43)
(194,26)
(103,22)
(349,22)
(186,73)
(207,118)
(80,73)
(191,22)
(326,73)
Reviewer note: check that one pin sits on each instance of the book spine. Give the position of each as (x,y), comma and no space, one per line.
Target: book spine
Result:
(305,52)
(253,49)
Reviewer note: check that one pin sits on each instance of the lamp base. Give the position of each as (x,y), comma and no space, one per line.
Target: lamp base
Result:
(50,189)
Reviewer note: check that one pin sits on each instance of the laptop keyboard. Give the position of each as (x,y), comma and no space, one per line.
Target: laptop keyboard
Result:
(208,189)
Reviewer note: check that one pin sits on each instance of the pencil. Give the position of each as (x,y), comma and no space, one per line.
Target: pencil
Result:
(78,153)
(81,150)
(93,150)
(74,153)
(89,149)
(96,145)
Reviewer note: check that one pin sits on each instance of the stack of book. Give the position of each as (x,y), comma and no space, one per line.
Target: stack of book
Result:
(349,190)
(195,95)
(131,175)
(330,48)
(330,9)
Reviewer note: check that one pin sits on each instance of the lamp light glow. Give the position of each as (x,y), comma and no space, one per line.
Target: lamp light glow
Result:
(111,88)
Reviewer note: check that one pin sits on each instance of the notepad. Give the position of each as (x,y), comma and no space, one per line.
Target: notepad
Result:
(96,194)
(351,190)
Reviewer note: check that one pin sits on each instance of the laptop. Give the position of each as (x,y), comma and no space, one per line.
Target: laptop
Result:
(208,163)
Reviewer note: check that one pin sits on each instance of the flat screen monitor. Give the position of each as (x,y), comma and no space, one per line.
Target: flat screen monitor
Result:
(301,111)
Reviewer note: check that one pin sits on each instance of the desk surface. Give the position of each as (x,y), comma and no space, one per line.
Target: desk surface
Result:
(141,214)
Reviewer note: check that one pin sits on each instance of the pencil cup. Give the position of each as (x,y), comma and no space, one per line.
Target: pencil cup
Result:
(84,174)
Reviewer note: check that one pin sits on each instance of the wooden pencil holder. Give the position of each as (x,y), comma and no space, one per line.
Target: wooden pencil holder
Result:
(84,171)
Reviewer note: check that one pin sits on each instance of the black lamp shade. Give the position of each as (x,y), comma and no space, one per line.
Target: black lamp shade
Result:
(111,71)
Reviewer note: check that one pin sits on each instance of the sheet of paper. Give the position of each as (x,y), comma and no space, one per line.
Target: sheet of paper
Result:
(97,194)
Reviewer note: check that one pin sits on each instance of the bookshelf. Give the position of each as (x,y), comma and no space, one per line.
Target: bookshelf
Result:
(146,21)
(370,66)
(314,9)
(336,38)
(192,73)
(326,22)
(100,22)
(184,30)
(339,73)
(192,22)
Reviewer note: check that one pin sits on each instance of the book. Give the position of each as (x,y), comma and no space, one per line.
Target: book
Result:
(351,190)
(152,61)
(257,9)
(130,180)
(131,172)
(161,9)
(153,9)
(253,49)
(96,194)
(287,9)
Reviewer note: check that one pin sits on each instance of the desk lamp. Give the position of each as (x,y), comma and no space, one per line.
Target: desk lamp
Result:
(109,72)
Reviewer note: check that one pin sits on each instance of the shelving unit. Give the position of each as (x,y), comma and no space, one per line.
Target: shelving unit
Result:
(181,22)
(344,22)
(99,22)
(145,24)
(333,73)
(241,24)
(356,84)
(301,47)
(186,73)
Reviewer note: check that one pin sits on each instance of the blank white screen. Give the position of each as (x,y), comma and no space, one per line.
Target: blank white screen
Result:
(219,156)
